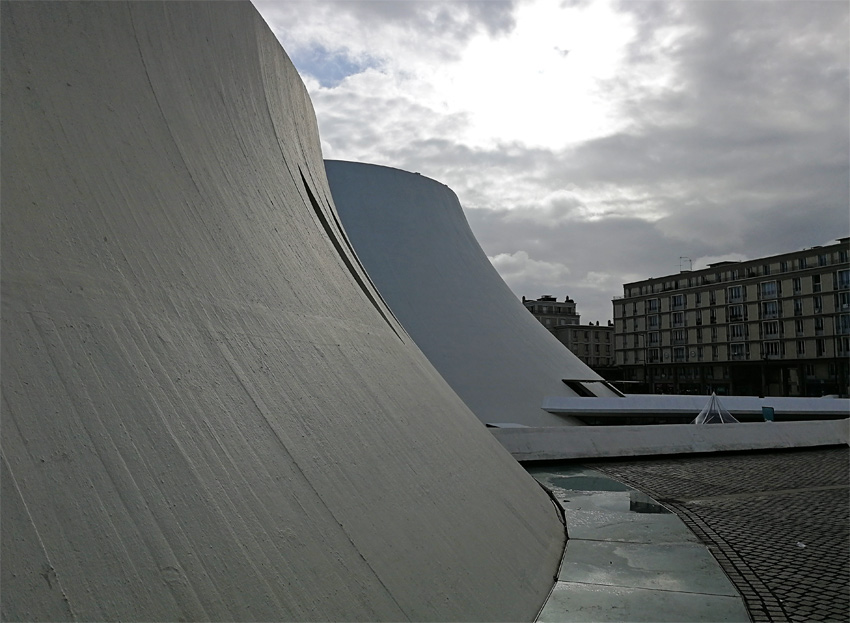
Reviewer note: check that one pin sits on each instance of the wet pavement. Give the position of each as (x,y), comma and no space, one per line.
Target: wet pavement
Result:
(629,558)
(777,522)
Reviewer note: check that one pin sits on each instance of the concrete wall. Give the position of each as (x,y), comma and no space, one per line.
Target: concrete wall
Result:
(412,237)
(208,413)
(592,442)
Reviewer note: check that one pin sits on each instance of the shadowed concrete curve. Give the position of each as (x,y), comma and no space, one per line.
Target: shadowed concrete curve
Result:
(208,412)
(413,238)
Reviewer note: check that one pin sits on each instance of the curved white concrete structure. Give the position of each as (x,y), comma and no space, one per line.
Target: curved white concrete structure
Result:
(208,413)
(411,235)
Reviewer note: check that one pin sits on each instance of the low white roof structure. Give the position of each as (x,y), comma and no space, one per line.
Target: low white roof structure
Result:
(414,241)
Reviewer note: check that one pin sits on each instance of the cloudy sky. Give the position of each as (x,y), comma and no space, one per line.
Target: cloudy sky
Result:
(595,142)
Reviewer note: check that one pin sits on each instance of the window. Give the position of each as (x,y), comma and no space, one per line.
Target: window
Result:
(820,347)
(678,319)
(818,304)
(652,305)
(843,324)
(783,267)
(770,309)
(713,334)
(678,354)
(699,334)
(768,289)
(801,347)
(653,322)
(802,263)
(678,336)
(798,285)
(842,301)
(737,351)
(654,339)
(798,327)
(698,298)
(844,346)
(765,269)
(771,349)
(843,278)
(712,298)
(818,326)
(798,307)
(736,312)
(770,329)
(714,354)
(737,331)
(652,356)
(821,260)
(734,294)
(816,283)
(677,301)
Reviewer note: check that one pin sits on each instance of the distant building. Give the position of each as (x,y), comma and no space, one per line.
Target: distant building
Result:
(593,343)
(776,326)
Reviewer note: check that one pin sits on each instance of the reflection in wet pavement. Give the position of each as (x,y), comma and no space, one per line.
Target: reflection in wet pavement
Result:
(628,558)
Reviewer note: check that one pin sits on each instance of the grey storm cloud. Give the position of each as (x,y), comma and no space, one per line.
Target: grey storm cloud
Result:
(744,151)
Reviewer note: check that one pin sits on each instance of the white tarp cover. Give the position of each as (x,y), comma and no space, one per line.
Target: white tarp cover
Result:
(714,413)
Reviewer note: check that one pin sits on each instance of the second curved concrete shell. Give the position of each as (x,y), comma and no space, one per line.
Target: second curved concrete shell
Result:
(208,413)
(411,235)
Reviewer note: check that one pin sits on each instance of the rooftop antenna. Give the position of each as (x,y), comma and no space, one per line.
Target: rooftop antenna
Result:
(690,263)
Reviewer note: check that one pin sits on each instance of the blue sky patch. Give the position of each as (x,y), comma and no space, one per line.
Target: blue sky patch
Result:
(327,66)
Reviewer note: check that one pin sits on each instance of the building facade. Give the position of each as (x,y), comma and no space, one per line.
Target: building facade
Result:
(592,343)
(776,326)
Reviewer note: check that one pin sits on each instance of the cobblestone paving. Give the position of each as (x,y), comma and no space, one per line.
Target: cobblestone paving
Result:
(778,523)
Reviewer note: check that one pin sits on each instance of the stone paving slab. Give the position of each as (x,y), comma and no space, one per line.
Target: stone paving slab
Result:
(682,567)
(777,522)
(576,602)
(629,558)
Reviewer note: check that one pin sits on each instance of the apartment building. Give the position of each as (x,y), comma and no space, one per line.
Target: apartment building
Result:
(776,326)
(592,343)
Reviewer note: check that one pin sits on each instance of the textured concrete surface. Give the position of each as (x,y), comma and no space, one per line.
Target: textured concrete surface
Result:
(778,523)
(414,240)
(208,413)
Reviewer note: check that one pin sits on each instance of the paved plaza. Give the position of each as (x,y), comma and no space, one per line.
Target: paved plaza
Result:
(777,522)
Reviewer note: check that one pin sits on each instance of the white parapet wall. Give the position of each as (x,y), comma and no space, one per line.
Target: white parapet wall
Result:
(592,442)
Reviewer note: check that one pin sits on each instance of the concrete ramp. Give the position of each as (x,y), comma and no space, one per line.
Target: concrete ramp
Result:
(208,413)
(411,235)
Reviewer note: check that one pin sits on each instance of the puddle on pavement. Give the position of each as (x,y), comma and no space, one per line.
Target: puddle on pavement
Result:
(587,483)
(594,491)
